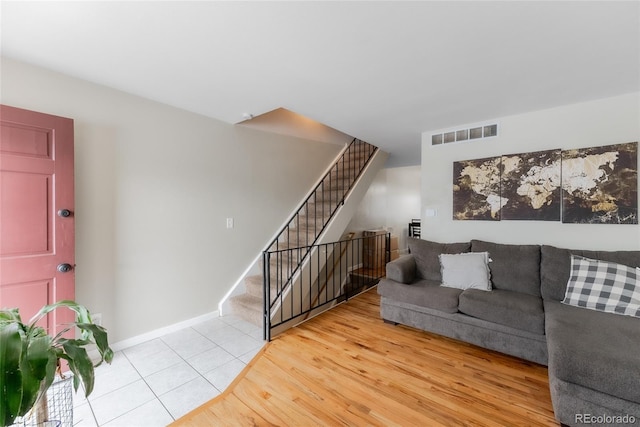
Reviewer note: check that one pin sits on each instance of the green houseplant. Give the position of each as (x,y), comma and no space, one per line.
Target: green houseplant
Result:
(29,359)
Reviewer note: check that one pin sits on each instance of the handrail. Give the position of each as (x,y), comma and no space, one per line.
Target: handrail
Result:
(356,148)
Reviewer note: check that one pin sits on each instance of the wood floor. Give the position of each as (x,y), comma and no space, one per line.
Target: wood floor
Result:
(347,367)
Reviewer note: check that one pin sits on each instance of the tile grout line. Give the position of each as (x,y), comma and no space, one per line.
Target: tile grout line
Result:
(182,360)
(93,414)
(202,375)
(146,383)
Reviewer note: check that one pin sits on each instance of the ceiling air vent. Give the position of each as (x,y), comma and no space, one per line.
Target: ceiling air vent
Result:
(476,132)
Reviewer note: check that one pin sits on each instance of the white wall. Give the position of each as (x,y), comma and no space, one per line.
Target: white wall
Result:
(154,185)
(391,202)
(595,123)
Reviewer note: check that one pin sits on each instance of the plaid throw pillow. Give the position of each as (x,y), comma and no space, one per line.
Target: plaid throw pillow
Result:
(603,286)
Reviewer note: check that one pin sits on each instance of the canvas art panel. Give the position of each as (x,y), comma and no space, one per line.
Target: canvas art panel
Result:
(530,186)
(600,185)
(476,189)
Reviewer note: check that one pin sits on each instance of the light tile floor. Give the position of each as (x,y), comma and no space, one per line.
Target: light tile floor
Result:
(154,383)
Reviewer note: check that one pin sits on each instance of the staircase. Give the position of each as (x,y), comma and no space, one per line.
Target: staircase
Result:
(313,218)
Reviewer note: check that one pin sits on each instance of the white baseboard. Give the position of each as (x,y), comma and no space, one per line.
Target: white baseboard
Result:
(157,333)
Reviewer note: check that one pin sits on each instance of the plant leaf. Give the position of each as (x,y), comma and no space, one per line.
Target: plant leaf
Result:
(82,314)
(76,377)
(38,364)
(99,335)
(39,355)
(10,315)
(80,363)
(10,375)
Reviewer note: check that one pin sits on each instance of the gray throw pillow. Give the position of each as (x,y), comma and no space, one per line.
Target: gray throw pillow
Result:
(603,286)
(466,270)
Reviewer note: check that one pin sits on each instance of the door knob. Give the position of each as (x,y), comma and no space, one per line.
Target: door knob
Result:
(65,268)
(64,213)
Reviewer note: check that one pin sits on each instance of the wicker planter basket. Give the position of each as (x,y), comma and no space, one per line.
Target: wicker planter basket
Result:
(59,406)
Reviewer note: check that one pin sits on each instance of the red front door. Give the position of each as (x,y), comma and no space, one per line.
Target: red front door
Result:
(36,234)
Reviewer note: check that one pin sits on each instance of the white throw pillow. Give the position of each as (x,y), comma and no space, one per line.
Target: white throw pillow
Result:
(468,270)
(603,286)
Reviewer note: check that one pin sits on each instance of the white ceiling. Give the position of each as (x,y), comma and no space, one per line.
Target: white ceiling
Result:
(380,71)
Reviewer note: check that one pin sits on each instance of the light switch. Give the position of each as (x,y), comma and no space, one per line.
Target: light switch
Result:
(229,222)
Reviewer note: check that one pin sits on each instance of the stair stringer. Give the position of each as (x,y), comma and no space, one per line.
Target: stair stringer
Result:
(333,231)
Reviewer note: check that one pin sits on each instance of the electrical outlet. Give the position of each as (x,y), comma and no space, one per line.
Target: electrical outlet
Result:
(97,318)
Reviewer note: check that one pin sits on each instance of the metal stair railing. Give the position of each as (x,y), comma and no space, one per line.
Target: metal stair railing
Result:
(310,219)
(332,277)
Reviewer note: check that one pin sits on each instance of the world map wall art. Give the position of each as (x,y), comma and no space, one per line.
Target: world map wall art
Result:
(596,185)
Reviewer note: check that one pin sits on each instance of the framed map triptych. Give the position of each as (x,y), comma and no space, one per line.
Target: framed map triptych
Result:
(597,185)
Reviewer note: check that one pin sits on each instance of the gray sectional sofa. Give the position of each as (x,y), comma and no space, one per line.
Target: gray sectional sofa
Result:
(593,357)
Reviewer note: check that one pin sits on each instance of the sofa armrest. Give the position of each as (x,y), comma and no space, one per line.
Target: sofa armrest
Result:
(402,270)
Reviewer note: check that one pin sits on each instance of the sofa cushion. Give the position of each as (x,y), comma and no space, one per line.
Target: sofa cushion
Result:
(604,286)
(513,267)
(425,293)
(466,271)
(426,255)
(513,309)
(555,267)
(402,269)
(594,349)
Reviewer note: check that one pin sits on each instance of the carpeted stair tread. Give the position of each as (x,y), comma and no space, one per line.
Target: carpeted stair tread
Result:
(247,307)
(320,208)
(308,225)
(357,158)
(274,273)
(343,174)
(300,239)
(255,285)
(334,185)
